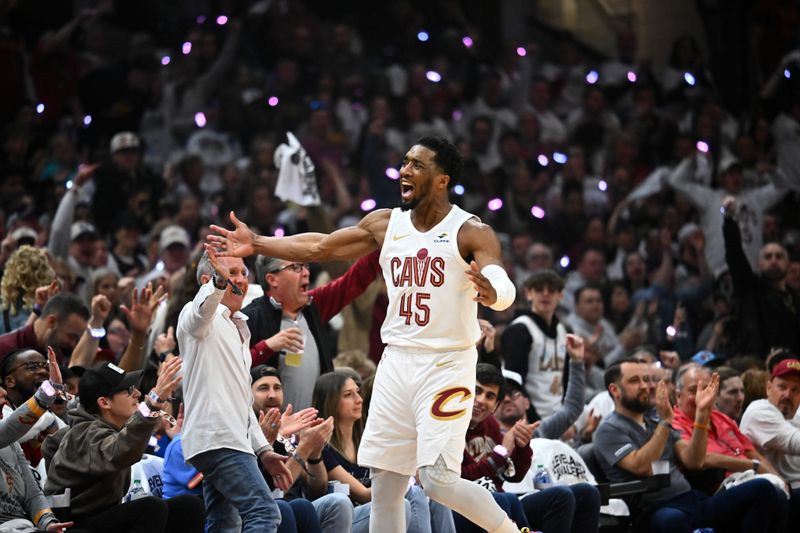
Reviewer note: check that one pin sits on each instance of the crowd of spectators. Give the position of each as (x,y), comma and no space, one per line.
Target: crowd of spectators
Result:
(654,214)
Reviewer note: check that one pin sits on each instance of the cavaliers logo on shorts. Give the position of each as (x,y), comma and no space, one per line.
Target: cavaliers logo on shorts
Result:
(439,409)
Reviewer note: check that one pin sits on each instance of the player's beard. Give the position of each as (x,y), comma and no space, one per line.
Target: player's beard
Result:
(407,206)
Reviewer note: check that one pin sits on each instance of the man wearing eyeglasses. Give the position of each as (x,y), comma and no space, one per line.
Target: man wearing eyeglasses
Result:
(22,373)
(290,319)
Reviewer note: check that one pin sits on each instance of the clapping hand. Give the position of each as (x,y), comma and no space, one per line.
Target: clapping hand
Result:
(663,407)
(270,423)
(705,397)
(292,423)
(55,371)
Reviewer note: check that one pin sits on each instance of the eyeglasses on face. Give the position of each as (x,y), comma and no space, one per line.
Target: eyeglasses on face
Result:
(295,267)
(128,390)
(32,366)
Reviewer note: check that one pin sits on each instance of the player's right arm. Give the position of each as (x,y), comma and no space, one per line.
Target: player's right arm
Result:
(343,244)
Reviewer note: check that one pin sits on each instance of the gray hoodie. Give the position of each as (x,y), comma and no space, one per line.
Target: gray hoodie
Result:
(20,495)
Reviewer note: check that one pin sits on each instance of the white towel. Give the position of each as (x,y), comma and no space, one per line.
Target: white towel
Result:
(297,181)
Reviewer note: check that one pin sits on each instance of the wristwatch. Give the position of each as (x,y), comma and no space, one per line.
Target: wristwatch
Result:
(96,333)
(756,465)
(154,398)
(215,279)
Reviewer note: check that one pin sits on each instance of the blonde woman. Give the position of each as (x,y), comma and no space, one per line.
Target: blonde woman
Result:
(26,271)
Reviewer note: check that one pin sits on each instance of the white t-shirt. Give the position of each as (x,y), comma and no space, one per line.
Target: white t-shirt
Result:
(776,437)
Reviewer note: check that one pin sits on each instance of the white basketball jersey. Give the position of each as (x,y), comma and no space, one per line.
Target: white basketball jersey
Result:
(431,303)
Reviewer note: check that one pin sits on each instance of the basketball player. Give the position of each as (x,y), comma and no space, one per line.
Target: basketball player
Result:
(434,257)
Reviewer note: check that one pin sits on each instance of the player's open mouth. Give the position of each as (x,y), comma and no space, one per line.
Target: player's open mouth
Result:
(406,190)
(304,287)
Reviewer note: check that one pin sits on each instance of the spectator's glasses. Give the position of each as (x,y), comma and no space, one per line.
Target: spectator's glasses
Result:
(294,267)
(129,390)
(32,366)
(514,395)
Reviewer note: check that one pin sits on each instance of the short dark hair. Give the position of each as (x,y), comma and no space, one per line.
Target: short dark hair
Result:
(544,278)
(587,287)
(614,370)
(446,156)
(726,373)
(64,304)
(10,360)
(488,374)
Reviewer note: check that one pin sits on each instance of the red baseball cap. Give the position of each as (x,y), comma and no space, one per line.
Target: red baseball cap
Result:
(787,366)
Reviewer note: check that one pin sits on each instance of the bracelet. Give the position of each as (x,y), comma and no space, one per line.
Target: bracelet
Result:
(666,424)
(163,355)
(707,427)
(37,310)
(316,461)
(302,462)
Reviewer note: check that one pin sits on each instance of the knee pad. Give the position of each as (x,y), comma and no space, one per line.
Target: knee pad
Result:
(437,478)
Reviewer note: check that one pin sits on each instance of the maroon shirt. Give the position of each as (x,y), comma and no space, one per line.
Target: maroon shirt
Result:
(22,338)
(480,441)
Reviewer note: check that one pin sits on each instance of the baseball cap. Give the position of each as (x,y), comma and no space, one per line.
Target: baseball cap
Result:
(260,371)
(105,380)
(687,230)
(24,235)
(787,366)
(81,228)
(173,235)
(124,140)
(514,382)
(704,357)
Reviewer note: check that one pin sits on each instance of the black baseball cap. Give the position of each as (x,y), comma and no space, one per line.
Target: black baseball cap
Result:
(105,380)
(260,371)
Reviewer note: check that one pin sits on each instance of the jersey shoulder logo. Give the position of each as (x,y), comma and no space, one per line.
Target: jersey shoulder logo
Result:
(441,398)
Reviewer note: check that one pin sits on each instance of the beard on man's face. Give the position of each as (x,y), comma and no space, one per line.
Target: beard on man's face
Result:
(407,206)
(774,274)
(638,404)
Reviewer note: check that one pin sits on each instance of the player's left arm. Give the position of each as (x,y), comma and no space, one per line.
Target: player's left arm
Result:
(486,272)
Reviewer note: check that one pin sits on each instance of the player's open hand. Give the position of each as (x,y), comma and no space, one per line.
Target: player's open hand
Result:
(236,243)
(486,295)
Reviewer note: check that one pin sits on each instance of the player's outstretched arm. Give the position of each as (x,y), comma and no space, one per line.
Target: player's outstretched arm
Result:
(492,284)
(346,243)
